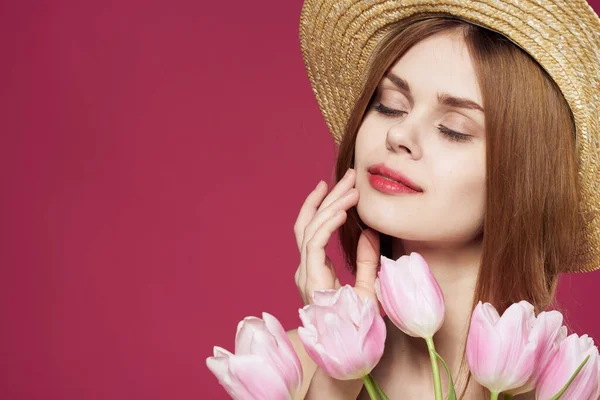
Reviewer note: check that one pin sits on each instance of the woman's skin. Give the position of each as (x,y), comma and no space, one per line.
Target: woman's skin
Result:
(443,222)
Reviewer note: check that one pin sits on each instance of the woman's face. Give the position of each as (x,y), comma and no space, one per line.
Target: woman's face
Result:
(434,138)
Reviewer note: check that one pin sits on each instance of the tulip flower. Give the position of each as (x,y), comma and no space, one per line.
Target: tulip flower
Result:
(414,302)
(548,331)
(571,353)
(265,366)
(410,295)
(501,352)
(344,336)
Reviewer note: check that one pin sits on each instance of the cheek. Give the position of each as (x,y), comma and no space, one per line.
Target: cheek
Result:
(368,139)
(460,190)
(361,149)
(454,210)
(468,194)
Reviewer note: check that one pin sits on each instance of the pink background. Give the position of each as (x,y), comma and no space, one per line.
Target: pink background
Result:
(154,158)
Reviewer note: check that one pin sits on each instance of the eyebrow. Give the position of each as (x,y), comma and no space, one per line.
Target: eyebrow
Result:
(443,98)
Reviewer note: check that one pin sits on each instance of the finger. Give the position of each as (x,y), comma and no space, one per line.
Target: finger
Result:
(301,288)
(301,285)
(308,210)
(317,272)
(347,182)
(345,202)
(315,202)
(341,204)
(367,259)
(297,282)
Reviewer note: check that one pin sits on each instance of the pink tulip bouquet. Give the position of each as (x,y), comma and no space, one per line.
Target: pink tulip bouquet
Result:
(510,354)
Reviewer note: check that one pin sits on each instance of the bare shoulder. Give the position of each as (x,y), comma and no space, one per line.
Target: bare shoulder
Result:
(308,365)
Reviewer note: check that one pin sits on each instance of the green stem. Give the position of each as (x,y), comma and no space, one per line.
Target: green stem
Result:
(370,388)
(435,368)
(508,396)
(494,396)
(380,392)
(451,390)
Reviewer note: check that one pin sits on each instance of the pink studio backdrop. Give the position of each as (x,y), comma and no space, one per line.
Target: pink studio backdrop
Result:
(154,158)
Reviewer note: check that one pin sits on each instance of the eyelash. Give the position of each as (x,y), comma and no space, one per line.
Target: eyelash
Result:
(449,134)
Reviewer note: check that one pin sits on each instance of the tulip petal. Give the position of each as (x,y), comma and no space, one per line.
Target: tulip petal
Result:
(372,333)
(219,366)
(247,335)
(309,336)
(302,313)
(221,352)
(325,297)
(254,338)
(315,315)
(490,313)
(548,332)
(315,350)
(572,351)
(341,335)
(429,288)
(585,384)
(484,345)
(258,378)
(265,365)
(410,295)
(276,329)
(517,362)
(522,372)
(348,305)
(332,334)
(286,359)
(366,321)
(487,343)
(383,295)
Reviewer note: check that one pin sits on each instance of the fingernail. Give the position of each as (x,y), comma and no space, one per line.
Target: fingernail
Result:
(319,184)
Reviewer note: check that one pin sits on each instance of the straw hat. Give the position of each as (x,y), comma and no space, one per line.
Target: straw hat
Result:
(337,37)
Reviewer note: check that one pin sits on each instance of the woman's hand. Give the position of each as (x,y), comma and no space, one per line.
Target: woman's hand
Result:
(319,217)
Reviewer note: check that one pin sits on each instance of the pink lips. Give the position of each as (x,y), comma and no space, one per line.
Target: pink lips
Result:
(387,180)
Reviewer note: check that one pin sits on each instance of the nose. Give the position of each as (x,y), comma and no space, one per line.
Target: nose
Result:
(403,137)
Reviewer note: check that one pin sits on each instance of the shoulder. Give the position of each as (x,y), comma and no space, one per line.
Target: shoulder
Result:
(308,365)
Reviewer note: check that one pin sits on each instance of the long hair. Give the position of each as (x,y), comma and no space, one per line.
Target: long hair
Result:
(531,211)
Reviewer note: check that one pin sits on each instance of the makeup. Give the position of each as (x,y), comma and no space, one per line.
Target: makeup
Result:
(389,186)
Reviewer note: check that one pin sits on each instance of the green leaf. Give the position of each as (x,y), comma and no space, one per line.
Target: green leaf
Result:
(380,392)
(451,391)
(370,388)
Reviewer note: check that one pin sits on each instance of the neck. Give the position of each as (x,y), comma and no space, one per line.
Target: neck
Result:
(455,269)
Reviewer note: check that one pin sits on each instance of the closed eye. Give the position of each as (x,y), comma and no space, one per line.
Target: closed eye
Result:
(448,133)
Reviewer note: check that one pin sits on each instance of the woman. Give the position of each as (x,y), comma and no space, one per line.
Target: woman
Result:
(454,142)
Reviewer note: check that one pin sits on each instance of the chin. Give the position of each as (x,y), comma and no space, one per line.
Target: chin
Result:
(407,223)
(392,222)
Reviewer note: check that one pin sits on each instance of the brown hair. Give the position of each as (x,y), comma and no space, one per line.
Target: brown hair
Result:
(532,187)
